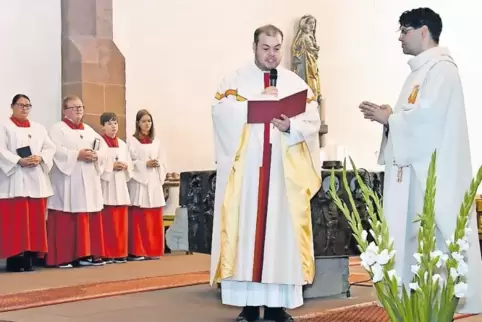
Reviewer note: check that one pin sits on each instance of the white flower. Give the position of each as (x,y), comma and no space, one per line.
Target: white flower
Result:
(392,274)
(437,278)
(453,273)
(442,258)
(392,253)
(462,268)
(364,235)
(450,241)
(373,234)
(463,245)
(415,269)
(372,248)
(468,231)
(457,256)
(383,257)
(414,286)
(460,290)
(418,257)
(377,271)
(368,259)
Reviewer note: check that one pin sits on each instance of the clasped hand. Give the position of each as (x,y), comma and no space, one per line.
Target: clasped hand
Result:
(283,123)
(152,163)
(375,112)
(120,166)
(87,155)
(31,161)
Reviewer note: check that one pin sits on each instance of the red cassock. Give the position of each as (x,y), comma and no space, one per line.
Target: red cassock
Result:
(115,221)
(72,236)
(22,226)
(22,221)
(146,232)
(146,228)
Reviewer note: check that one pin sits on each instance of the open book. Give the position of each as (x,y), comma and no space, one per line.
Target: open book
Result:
(264,111)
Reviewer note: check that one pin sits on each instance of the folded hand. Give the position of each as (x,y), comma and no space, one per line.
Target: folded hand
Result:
(375,112)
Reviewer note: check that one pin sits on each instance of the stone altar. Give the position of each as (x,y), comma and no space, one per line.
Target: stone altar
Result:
(332,235)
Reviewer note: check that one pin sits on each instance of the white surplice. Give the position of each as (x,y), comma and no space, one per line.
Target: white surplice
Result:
(282,278)
(114,183)
(430,115)
(76,184)
(17,181)
(145,187)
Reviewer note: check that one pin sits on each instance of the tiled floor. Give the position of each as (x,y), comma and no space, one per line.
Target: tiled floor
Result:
(188,304)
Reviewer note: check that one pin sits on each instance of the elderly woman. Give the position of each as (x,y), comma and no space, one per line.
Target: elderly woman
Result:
(26,157)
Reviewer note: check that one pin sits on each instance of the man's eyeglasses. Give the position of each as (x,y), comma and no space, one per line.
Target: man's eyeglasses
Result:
(78,108)
(405,31)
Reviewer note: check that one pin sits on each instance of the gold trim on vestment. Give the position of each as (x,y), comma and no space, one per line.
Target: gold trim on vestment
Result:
(230,92)
(302,183)
(413,95)
(230,212)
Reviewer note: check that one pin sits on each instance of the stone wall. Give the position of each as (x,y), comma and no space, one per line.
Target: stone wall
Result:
(93,68)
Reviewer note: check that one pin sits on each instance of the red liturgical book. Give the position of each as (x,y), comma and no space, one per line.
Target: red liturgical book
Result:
(260,112)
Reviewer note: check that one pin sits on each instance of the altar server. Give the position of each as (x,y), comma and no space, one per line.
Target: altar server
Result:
(74,224)
(117,172)
(146,229)
(26,157)
(429,115)
(264,264)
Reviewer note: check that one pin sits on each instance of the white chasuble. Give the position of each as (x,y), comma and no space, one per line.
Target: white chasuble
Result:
(288,261)
(114,183)
(429,115)
(76,183)
(145,187)
(18,181)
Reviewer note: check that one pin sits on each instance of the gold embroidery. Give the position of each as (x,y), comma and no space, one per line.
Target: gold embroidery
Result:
(230,211)
(230,92)
(413,95)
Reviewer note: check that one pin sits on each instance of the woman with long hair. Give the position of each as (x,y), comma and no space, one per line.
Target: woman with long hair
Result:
(146,231)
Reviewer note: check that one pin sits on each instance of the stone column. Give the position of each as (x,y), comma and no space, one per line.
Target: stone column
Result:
(93,68)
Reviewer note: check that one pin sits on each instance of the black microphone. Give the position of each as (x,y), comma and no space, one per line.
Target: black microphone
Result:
(273,77)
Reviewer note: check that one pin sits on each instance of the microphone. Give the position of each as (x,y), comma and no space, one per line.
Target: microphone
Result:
(273,77)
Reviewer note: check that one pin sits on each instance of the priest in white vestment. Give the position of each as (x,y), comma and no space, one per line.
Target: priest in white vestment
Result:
(74,223)
(117,172)
(26,156)
(429,115)
(267,269)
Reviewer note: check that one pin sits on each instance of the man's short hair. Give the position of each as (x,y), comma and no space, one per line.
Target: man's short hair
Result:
(420,17)
(269,30)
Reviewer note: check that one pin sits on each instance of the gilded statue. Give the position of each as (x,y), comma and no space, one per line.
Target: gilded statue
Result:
(305,54)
